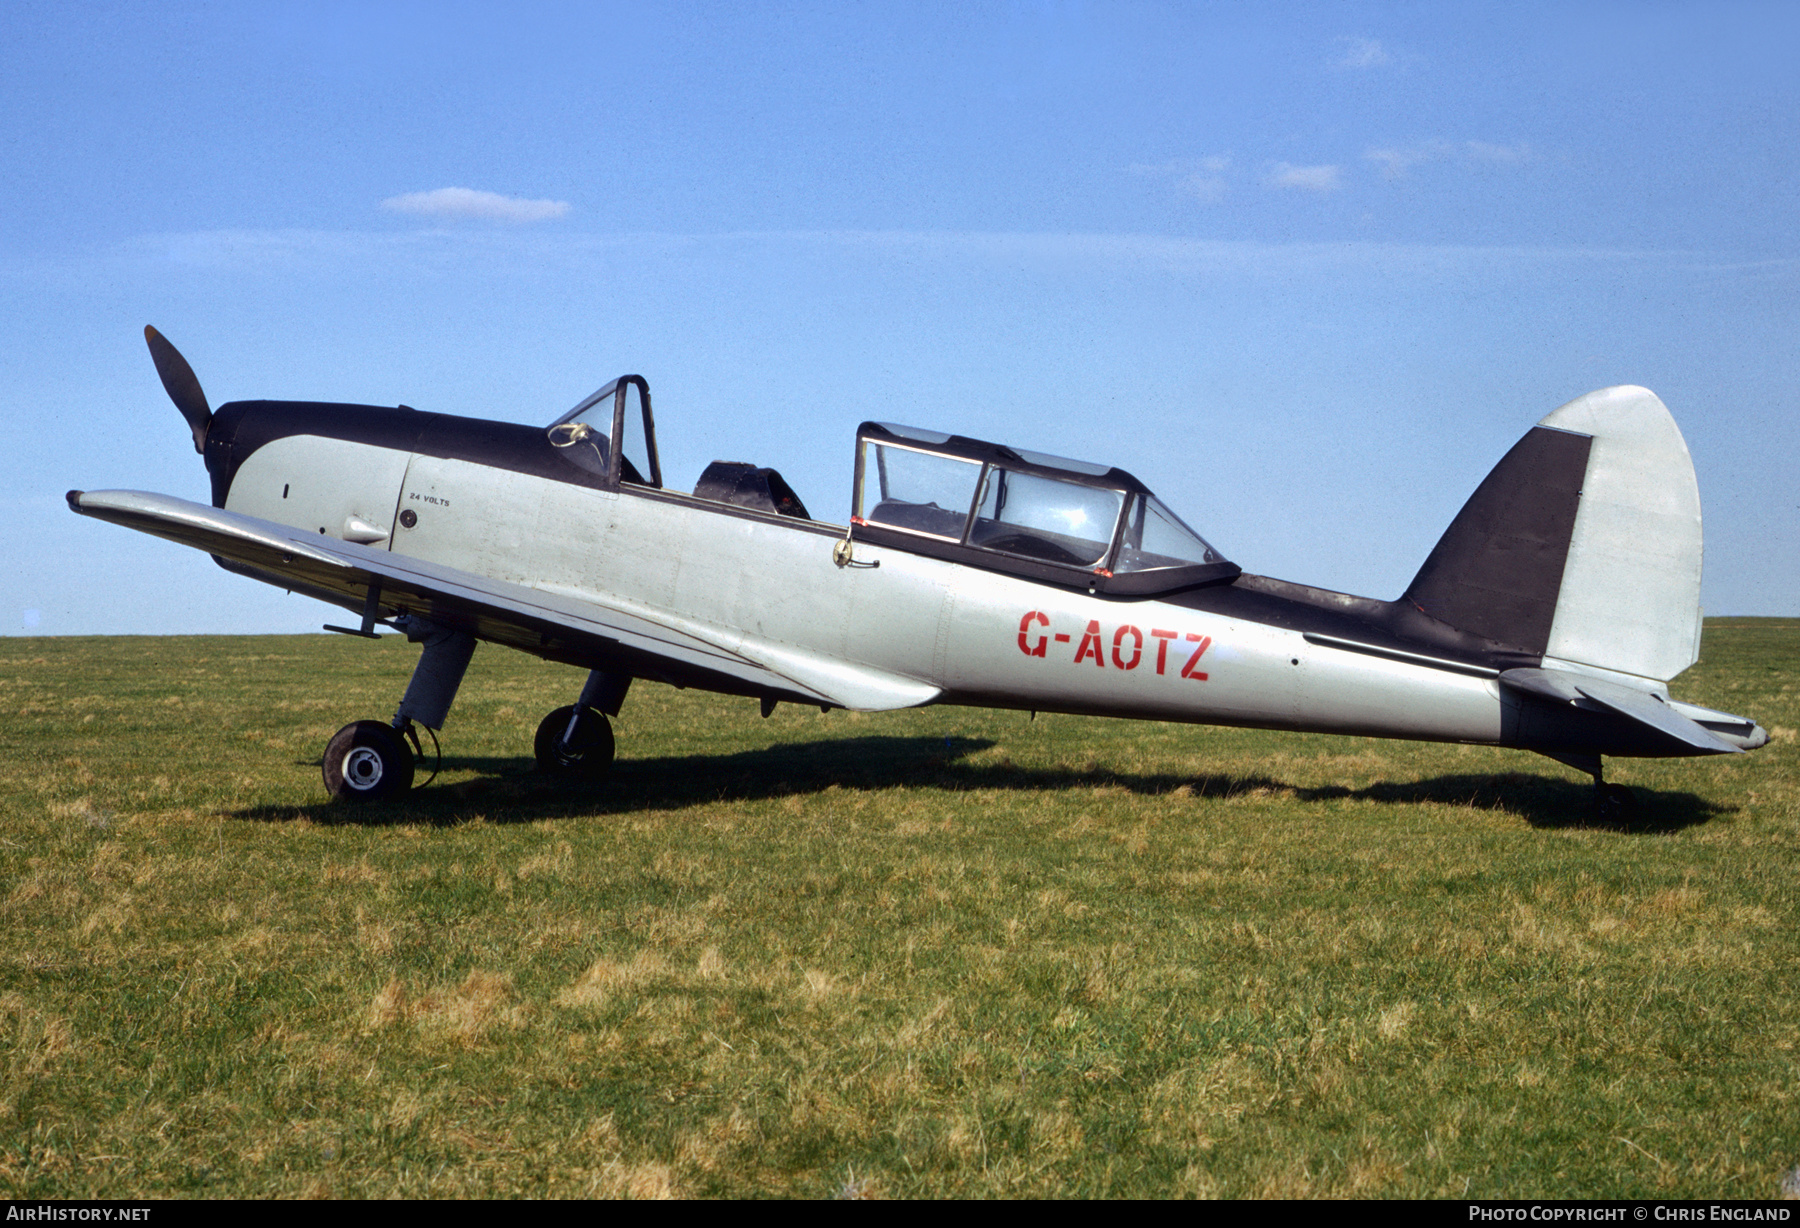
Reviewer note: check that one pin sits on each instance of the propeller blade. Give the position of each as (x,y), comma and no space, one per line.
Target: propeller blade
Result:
(179,381)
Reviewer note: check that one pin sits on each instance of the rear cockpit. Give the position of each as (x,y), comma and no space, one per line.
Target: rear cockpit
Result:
(1026,513)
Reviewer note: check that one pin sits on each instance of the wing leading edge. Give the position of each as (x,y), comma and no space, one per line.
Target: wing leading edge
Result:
(580,628)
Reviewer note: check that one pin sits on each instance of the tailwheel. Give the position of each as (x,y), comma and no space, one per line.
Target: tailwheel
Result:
(1614,804)
(574,745)
(367,761)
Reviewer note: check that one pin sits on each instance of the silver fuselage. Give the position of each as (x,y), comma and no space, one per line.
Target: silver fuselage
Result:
(770,584)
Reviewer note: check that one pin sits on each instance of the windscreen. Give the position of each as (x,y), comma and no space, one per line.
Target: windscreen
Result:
(633,443)
(581,434)
(1155,538)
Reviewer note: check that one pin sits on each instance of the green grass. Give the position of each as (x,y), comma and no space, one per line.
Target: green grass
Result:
(933,953)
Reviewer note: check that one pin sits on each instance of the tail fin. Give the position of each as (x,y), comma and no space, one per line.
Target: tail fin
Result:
(1583,545)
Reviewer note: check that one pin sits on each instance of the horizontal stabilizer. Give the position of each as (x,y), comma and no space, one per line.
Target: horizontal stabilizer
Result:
(1643,707)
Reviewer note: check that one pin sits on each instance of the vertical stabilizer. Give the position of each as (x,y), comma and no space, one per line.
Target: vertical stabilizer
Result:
(1498,569)
(1630,598)
(1583,545)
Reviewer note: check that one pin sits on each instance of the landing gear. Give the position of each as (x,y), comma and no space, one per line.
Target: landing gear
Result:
(575,741)
(372,761)
(368,761)
(1613,804)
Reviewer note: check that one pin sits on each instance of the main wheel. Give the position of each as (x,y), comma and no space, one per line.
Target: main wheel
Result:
(367,761)
(589,756)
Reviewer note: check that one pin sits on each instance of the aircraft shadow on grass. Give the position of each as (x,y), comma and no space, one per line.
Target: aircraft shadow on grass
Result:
(510,790)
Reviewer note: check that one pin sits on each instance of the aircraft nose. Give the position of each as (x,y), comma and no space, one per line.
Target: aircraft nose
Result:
(1758,737)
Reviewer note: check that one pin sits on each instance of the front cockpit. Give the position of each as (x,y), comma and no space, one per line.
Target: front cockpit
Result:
(1026,513)
(620,410)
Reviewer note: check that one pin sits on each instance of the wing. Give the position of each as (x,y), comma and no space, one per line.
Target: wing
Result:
(582,629)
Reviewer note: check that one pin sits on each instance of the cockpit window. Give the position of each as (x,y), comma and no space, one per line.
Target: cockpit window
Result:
(583,444)
(1061,462)
(923,492)
(1155,538)
(634,443)
(1024,513)
(1042,518)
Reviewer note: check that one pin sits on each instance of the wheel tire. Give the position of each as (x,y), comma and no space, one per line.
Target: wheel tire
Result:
(1614,804)
(590,759)
(367,761)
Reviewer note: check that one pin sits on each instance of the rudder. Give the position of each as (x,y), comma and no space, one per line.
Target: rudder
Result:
(1630,597)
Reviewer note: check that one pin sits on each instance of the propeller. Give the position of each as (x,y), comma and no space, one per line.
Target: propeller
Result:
(179,381)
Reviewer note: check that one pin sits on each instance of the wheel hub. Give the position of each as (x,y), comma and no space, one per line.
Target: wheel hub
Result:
(362,768)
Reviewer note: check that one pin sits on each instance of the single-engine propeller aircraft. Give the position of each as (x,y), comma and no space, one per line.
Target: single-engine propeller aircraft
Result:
(1550,616)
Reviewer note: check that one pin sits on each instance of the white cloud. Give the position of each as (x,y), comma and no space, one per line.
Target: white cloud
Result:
(502,255)
(1364,53)
(1396,161)
(469,203)
(1202,179)
(1308,178)
(1182,166)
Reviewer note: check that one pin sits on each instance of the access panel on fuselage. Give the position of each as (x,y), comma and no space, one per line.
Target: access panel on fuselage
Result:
(337,487)
(482,520)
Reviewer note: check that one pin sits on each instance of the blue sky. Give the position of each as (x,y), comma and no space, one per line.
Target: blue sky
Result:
(1307,270)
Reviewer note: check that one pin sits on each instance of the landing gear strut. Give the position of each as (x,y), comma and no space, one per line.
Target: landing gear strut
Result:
(369,761)
(1613,804)
(576,740)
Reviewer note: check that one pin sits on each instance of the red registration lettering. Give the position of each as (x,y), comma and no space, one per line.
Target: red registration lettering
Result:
(1090,643)
(1162,646)
(1188,670)
(1025,646)
(1137,646)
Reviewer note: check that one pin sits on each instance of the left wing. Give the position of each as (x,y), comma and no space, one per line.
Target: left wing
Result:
(584,629)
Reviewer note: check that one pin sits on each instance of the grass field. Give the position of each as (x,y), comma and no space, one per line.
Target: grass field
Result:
(932,953)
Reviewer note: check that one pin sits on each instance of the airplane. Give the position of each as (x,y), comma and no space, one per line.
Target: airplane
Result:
(1549,617)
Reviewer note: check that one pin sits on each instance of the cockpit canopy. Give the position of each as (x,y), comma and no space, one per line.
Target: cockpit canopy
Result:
(1006,509)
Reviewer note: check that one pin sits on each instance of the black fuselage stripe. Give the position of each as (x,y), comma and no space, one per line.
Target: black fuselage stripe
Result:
(240,428)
